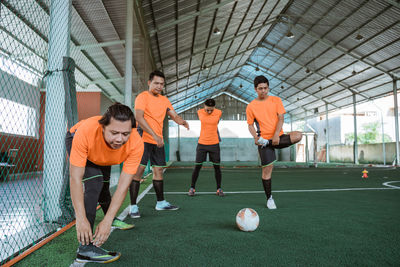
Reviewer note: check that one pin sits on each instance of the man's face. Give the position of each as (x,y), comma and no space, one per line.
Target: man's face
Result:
(208,109)
(117,133)
(262,90)
(156,85)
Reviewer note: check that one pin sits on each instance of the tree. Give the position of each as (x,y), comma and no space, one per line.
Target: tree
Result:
(370,135)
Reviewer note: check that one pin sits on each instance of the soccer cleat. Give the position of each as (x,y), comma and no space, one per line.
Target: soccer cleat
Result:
(271,203)
(165,205)
(118,224)
(134,211)
(91,253)
(220,192)
(191,192)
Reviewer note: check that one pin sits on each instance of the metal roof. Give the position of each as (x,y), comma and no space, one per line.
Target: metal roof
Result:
(315,52)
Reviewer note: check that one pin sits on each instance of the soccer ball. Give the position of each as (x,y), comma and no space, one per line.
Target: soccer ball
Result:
(247,220)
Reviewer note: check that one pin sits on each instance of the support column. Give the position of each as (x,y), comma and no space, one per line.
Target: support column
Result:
(355,148)
(327,134)
(306,150)
(396,119)
(128,53)
(55,119)
(292,148)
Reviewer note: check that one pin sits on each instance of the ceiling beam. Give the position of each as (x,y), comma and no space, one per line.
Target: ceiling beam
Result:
(209,79)
(219,44)
(394,3)
(221,61)
(100,44)
(190,16)
(344,51)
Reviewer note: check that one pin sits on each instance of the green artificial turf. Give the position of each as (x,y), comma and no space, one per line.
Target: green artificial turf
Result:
(309,228)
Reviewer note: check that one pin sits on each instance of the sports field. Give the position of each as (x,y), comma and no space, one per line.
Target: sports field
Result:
(325,217)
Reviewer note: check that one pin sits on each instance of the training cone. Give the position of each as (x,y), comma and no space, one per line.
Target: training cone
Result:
(365,174)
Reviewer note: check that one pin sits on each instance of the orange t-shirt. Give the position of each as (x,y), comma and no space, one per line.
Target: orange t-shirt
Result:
(155,108)
(265,115)
(209,126)
(89,144)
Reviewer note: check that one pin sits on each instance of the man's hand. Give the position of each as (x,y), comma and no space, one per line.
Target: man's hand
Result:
(159,140)
(84,231)
(102,232)
(275,140)
(263,142)
(185,124)
(256,140)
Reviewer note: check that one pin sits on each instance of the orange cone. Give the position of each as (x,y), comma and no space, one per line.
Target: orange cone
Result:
(365,174)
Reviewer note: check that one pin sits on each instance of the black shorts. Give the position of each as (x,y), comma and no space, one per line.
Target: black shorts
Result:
(213,153)
(155,154)
(267,154)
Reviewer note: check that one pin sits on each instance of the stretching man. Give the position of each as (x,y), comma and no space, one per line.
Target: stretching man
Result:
(208,143)
(151,108)
(94,145)
(267,112)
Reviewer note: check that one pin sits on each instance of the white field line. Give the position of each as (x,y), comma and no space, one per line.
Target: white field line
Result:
(387,184)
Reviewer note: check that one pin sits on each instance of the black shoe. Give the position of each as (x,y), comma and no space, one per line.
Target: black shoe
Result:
(91,253)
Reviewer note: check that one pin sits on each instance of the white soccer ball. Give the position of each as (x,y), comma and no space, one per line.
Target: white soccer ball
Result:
(247,220)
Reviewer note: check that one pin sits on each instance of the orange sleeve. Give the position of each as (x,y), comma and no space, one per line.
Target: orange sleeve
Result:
(249,115)
(279,106)
(140,102)
(169,105)
(79,150)
(136,151)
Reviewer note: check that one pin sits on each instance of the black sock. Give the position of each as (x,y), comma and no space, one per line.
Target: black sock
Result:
(159,188)
(195,174)
(267,187)
(134,191)
(218,175)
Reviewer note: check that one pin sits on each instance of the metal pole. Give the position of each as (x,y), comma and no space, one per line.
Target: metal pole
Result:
(396,119)
(55,117)
(327,134)
(305,119)
(128,53)
(292,148)
(355,130)
(383,140)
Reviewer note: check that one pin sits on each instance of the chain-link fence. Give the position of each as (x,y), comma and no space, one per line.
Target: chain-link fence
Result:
(37,104)
(52,52)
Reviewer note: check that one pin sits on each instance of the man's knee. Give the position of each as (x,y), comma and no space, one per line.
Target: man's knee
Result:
(295,137)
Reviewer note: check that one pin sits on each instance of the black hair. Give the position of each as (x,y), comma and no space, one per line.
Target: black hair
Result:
(119,112)
(210,102)
(156,73)
(260,79)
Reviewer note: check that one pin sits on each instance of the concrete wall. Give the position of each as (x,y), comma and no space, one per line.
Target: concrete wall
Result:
(371,153)
(232,149)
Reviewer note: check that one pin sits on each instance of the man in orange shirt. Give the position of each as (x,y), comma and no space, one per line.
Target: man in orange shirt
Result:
(151,108)
(267,112)
(208,143)
(94,145)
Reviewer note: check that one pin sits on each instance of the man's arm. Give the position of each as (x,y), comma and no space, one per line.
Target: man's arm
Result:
(103,229)
(253,132)
(275,138)
(83,228)
(176,118)
(139,116)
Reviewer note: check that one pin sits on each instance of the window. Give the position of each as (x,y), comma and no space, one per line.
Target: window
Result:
(17,119)
(17,70)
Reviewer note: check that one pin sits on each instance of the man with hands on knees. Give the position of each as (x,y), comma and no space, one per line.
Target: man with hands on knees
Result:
(94,145)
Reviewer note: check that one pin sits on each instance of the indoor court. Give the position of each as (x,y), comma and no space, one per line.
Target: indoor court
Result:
(294,98)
